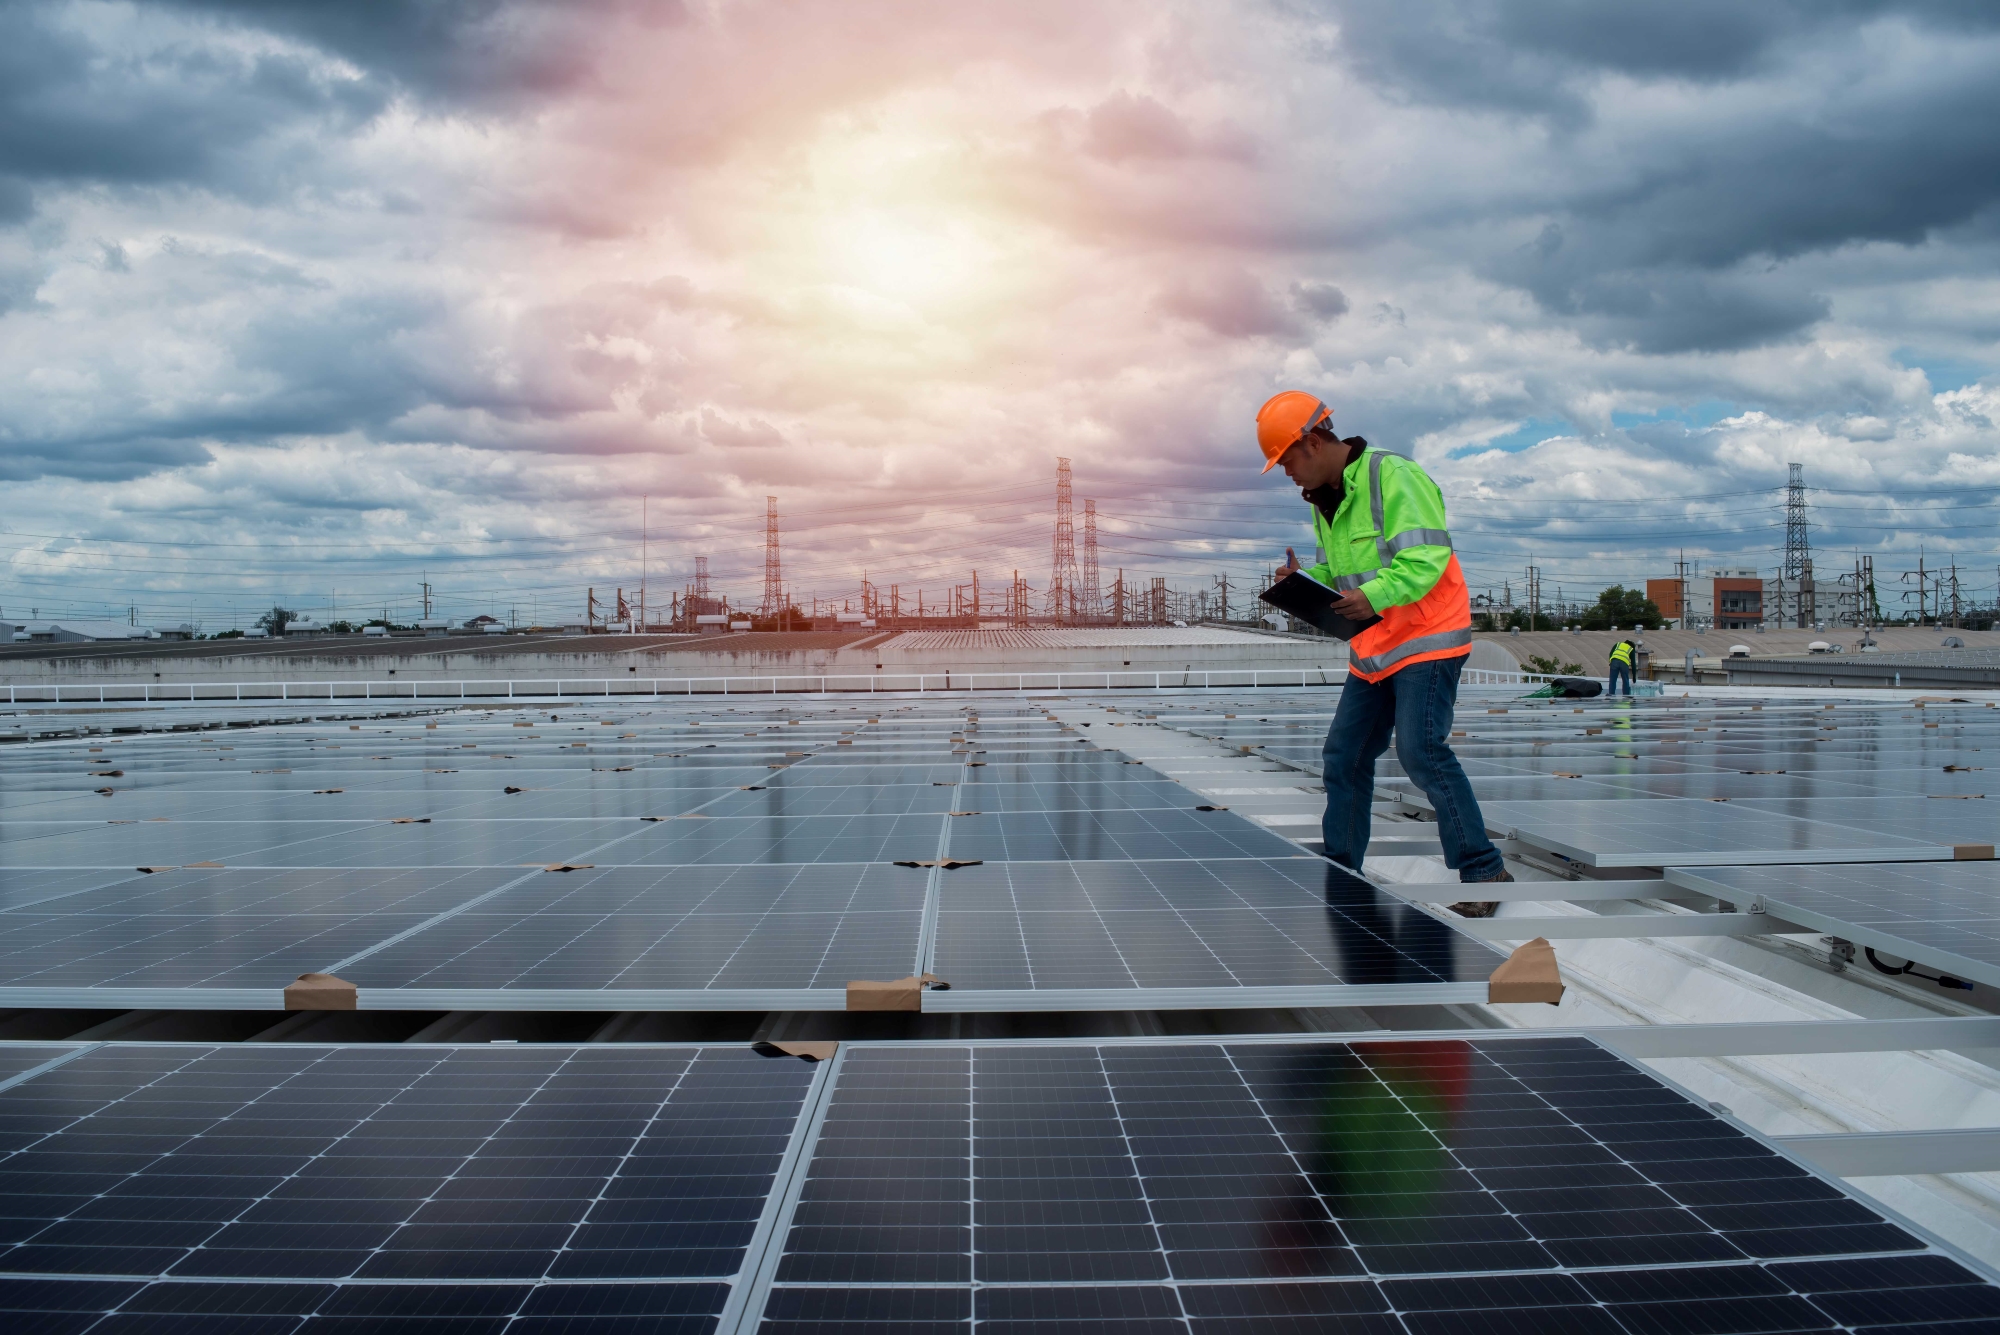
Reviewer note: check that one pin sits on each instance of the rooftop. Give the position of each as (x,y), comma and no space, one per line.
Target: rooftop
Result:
(580,978)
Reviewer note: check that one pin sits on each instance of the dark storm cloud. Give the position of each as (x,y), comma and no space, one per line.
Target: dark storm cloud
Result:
(1658,307)
(1530,55)
(1835,144)
(109,459)
(480,51)
(74,111)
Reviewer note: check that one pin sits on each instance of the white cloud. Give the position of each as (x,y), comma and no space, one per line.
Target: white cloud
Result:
(421,286)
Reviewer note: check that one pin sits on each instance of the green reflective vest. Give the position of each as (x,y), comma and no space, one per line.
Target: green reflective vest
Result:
(1394,553)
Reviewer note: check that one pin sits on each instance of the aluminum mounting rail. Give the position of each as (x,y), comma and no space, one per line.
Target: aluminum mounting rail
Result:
(1625,926)
(1898,1153)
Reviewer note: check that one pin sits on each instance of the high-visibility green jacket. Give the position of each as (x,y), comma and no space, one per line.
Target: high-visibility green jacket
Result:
(1388,538)
(1621,652)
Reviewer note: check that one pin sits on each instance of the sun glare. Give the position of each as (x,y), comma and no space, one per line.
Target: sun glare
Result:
(918,260)
(884,209)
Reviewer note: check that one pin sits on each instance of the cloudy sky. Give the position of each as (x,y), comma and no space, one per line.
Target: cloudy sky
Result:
(314,302)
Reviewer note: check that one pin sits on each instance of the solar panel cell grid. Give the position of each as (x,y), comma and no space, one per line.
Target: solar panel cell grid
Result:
(470,1166)
(1076,836)
(1538,1184)
(628,928)
(1296,922)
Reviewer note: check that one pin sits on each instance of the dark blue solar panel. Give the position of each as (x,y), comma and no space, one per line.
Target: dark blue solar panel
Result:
(546,1183)
(1420,1185)
(1155,924)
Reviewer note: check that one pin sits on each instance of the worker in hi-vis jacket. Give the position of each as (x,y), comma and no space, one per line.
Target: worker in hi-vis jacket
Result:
(1380,523)
(1621,667)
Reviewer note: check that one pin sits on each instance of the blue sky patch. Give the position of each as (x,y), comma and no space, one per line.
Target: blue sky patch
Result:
(1530,433)
(1704,414)
(1944,373)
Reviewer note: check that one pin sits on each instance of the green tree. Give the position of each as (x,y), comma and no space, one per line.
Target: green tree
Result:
(1548,667)
(1620,606)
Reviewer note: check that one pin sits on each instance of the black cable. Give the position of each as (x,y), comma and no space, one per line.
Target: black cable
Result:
(1910,968)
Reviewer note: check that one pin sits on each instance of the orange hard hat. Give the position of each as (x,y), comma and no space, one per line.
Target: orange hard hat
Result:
(1284,420)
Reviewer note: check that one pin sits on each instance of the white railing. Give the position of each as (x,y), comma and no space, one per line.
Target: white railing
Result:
(1491,677)
(651,687)
(660,687)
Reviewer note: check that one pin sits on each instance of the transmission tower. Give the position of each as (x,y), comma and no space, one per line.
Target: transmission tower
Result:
(1063,577)
(1092,599)
(774,589)
(1798,547)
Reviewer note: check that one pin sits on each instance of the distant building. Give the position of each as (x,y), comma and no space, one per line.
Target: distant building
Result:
(1739,600)
(75,632)
(1729,599)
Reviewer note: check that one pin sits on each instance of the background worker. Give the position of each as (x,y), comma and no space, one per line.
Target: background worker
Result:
(1380,523)
(1621,667)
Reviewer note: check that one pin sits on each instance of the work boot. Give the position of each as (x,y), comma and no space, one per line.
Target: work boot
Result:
(1481,908)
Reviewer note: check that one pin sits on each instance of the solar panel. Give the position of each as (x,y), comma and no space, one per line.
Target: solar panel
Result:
(1034,836)
(17,1059)
(221,1184)
(1946,915)
(1674,832)
(1940,819)
(1528,1183)
(1061,935)
(740,854)
(723,860)
(619,932)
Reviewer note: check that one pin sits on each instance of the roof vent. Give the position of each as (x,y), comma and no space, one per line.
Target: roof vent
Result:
(1819,647)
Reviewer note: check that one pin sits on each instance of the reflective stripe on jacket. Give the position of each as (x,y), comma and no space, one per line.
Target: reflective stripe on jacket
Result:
(1622,653)
(1388,539)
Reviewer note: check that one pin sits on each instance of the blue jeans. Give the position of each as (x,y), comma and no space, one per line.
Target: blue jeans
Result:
(1620,672)
(1416,703)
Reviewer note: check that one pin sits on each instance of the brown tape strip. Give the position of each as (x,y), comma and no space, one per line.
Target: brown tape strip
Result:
(320,992)
(902,994)
(1972,852)
(1529,974)
(804,1050)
